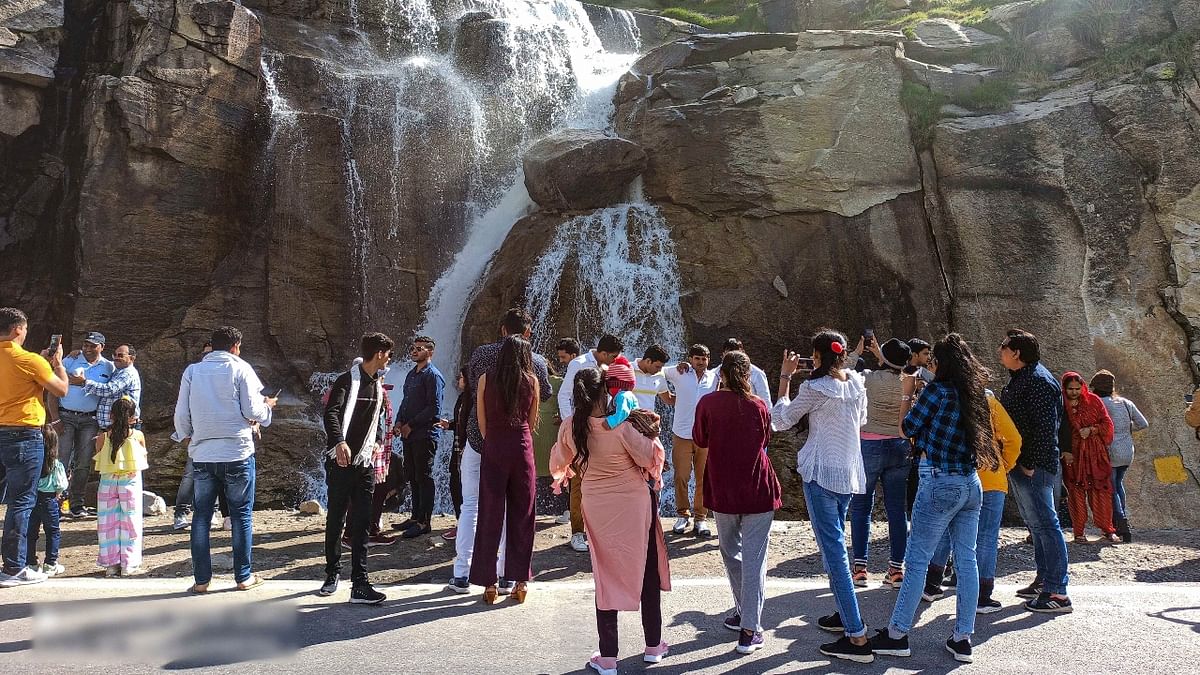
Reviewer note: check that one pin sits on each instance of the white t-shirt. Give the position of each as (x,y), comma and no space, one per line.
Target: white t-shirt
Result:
(688,390)
(648,387)
(566,405)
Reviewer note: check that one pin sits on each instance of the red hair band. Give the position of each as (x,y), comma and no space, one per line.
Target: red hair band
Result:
(836,347)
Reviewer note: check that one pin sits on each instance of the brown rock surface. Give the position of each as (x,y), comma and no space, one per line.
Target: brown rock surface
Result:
(580,169)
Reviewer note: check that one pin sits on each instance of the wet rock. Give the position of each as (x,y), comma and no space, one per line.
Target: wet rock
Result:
(579,169)
(626,31)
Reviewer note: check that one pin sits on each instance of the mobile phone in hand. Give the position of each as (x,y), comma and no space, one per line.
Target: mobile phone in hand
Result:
(868,333)
(1188,398)
(55,341)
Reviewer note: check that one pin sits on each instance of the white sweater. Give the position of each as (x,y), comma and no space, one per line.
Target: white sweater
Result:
(836,411)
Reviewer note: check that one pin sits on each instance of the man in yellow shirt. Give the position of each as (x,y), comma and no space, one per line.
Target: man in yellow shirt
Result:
(24,376)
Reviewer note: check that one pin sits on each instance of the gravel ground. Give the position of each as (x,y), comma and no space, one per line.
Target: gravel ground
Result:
(289,545)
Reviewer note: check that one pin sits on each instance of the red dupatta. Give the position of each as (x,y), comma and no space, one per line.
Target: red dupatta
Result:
(1091,469)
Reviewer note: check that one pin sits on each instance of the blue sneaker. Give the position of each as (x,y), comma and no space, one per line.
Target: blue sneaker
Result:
(459,585)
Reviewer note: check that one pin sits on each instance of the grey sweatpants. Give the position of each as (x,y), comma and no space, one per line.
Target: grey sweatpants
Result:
(744,539)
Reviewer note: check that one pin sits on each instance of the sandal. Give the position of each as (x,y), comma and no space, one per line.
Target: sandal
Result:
(489,595)
(253,582)
(198,589)
(520,591)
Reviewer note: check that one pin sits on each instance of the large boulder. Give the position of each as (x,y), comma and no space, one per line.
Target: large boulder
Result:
(580,169)
(30,33)
(789,16)
(775,131)
(944,41)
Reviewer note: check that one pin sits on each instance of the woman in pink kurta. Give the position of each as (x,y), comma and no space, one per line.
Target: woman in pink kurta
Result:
(621,472)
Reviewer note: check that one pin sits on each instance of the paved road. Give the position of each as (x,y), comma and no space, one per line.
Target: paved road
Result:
(1142,628)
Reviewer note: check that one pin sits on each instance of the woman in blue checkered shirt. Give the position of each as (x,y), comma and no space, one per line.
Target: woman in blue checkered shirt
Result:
(951,429)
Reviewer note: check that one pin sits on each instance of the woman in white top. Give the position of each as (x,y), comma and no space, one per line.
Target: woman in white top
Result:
(835,401)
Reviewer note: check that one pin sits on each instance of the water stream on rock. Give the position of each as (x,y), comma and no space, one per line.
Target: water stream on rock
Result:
(554,74)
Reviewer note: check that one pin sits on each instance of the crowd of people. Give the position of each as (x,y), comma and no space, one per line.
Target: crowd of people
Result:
(914,418)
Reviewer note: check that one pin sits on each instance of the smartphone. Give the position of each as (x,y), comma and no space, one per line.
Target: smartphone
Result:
(55,341)
(868,333)
(1188,398)
(277,393)
(806,364)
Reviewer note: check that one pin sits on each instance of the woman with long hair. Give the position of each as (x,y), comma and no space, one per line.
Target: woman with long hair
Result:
(950,424)
(1087,470)
(740,487)
(835,401)
(1127,420)
(507,400)
(621,472)
(120,460)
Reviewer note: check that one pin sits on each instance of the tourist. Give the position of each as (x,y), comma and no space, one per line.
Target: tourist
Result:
(219,400)
(1127,421)
(506,484)
(1033,398)
(692,380)
(46,511)
(417,424)
(186,493)
(565,351)
(386,475)
(352,429)
(760,386)
(458,425)
(120,460)
(620,382)
(606,351)
(920,356)
(24,378)
(620,511)
(123,382)
(77,416)
(651,383)
(950,425)
(831,466)
(991,511)
(886,460)
(734,425)
(1087,470)
(513,322)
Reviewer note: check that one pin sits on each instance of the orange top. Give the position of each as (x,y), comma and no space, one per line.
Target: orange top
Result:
(22,375)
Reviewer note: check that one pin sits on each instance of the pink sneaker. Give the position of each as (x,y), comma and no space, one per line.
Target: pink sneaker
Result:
(655,654)
(605,665)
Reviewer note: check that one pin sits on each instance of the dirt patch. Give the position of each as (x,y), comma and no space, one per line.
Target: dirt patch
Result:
(288,545)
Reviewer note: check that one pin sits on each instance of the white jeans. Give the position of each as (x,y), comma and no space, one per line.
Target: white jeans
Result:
(464,542)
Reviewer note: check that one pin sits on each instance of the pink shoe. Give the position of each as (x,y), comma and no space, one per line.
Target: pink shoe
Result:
(655,654)
(605,665)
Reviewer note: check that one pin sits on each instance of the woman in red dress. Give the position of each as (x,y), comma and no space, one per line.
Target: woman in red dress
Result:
(1087,471)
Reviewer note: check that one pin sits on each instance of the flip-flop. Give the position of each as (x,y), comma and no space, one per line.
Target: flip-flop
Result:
(195,589)
(254,582)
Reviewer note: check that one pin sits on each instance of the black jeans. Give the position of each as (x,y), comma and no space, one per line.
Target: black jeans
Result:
(352,488)
(606,619)
(456,481)
(418,471)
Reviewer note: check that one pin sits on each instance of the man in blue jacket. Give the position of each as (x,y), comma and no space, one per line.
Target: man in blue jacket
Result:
(416,423)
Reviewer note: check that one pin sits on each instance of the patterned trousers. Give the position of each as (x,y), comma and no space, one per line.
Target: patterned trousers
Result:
(119,520)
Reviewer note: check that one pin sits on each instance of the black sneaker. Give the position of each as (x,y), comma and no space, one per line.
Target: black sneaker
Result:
(831,623)
(329,587)
(883,643)
(749,641)
(960,649)
(952,580)
(415,530)
(365,595)
(1032,590)
(459,585)
(404,525)
(988,606)
(845,649)
(932,592)
(1047,604)
(733,621)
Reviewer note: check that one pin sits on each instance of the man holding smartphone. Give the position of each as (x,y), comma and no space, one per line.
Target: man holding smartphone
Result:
(78,425)
(24,376)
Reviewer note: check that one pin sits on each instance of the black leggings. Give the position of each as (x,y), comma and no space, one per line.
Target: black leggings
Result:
(606,619)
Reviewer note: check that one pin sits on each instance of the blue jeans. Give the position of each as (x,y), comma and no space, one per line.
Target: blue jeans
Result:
(988,541)
(885,460)
(1118,481)
(827,511)
(1035,497)
(21,452)
(945,502)
(236,480)
(45,515)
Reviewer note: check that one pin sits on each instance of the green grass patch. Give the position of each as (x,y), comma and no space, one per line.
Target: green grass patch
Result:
(993,95)
(1137,56)
(966,12)
(924,109)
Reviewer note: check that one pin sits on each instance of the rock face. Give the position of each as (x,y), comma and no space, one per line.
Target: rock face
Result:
(787,16)
(29,35)
(943,41)
(578,169)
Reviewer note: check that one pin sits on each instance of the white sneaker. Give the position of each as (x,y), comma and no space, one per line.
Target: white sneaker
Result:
(52,570)
(227,524)
(564,519)
(23,578)
(681,524)
(182,521)
(702,529)
(579,542)
(216,521)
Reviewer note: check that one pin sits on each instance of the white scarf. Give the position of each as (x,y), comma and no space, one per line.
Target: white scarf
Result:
(364,455)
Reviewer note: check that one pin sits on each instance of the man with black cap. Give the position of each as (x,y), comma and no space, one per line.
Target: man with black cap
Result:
(78,426)
(886,459)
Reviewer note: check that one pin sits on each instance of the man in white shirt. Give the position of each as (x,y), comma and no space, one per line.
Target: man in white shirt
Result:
(759,385)
(691,379)
(220,399)
(651,383)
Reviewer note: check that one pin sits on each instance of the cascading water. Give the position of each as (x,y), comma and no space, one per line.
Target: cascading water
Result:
(404,93)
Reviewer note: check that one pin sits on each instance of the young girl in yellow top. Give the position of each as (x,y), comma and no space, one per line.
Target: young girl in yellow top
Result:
(120,459)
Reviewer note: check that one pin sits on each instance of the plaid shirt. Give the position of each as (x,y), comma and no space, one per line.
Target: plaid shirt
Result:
(934,424)
(124,382)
